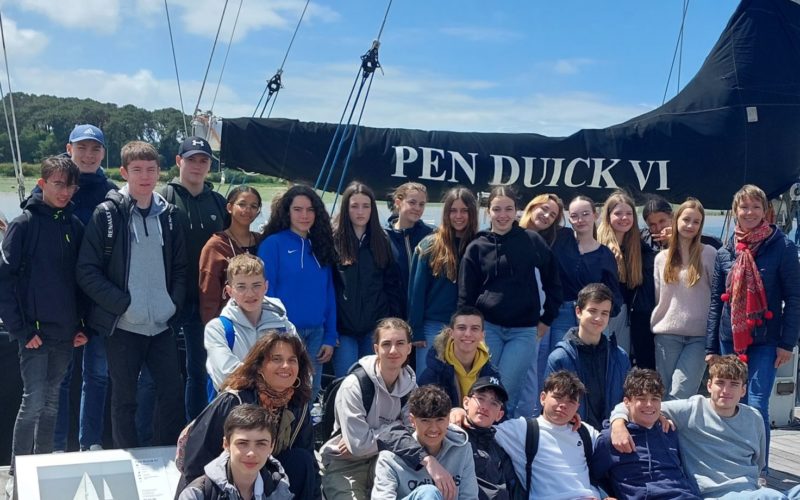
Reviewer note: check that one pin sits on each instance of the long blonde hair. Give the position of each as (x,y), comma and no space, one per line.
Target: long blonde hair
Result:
(627,253)
(445,257)
(694,268)
(526,220)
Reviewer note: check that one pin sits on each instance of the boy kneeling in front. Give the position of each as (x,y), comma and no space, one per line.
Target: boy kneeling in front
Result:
(246,469)
(429,409)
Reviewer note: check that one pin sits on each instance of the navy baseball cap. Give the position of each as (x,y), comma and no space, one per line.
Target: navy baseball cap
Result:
(87,132)
(194,146)
(492,383)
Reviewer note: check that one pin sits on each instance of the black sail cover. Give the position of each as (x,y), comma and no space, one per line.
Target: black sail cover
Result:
(736,122)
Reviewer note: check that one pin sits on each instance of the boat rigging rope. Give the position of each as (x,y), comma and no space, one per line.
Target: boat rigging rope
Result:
(225,60)
(274,84)
(369,63)
(177,77)
(678,53)
(16,155)
(210,58)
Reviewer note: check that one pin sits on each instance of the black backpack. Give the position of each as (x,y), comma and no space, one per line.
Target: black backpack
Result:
(532,447)
(324,429)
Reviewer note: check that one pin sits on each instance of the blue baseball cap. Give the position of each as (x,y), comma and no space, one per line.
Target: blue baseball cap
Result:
(87,132)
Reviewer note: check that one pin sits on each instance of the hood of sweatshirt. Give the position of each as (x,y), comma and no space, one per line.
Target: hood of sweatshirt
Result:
(405,383)
(272,478)
(36,205)
(273,317)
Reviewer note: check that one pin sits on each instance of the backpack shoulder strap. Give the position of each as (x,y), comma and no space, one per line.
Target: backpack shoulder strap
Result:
(31,238)
(230,335)
(586,438)
(299,425)
(108,231)
(531,447)
(367,387)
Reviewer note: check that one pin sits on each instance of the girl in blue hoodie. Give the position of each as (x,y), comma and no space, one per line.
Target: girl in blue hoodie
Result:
(511,276)
(299,256)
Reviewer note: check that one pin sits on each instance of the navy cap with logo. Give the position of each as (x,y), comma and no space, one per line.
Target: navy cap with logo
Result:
(87,132)
(490,383)
(194,146)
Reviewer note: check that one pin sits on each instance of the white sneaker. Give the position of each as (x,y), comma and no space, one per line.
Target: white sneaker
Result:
(95,447)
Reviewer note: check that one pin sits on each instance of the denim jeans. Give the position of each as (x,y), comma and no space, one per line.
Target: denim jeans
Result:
(619,326)
(763,494)
(761,377)
(312,338)
(127,353)
(424,492)
(565,320)
(430,329)
(42,371)
(680,361)
(196,397)
(350,350)
(514,351)
(94,388)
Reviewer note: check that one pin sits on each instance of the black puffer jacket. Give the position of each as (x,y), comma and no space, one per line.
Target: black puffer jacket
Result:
(104,277)
(38,291)
(365,293)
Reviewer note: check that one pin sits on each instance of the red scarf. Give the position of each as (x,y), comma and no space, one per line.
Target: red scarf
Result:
(745,290)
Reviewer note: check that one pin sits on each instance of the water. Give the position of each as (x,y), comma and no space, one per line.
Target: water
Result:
(9,205)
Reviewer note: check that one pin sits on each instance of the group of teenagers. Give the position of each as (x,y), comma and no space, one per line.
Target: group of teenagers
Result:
(526,317)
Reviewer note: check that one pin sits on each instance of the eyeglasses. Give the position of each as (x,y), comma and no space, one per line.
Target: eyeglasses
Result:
(60,186)
(248,206)
(487,401)
(580,215)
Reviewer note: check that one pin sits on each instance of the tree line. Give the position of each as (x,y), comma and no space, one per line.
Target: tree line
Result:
(44,123)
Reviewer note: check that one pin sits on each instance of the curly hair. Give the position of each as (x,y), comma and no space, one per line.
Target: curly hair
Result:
(429,401)
(320,234)
(344,237)
(641,381)
(246,375)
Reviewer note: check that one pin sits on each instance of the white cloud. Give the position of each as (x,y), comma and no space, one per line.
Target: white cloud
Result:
(481,33)
(570,66)
(22,43)
(102,16)
(401,99)
(201,17)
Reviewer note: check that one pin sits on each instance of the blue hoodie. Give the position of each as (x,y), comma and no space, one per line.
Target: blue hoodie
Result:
(430,298)
(295,276)
(652,472)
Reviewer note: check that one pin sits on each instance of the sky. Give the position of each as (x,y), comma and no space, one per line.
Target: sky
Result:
(506,66)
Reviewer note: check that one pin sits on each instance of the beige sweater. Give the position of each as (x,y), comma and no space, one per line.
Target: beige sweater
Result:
(683,310)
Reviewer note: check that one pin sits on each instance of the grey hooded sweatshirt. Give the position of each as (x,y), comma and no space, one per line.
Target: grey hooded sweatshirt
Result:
(222,360)
(271,483)
(151,306)
(395,479)
(358,428)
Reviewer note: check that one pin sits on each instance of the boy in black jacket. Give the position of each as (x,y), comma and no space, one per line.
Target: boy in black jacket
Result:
(132,265)
(39,300)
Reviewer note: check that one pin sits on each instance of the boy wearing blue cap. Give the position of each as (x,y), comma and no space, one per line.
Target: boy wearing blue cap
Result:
(87,149)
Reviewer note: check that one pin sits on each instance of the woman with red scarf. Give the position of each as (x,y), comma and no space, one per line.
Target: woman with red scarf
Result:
(755,298)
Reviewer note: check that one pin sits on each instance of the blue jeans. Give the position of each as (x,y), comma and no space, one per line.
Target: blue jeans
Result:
(42,371)
(513,351)
(763,494)
(196,397)
(564,321)
(350,350)
(430,329)
(761,377)
(680,361)
(312,338)
(93,398)
(619,326)
(424,492)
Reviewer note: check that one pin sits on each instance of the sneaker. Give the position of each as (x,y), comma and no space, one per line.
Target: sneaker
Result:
(762,482)
(95,447)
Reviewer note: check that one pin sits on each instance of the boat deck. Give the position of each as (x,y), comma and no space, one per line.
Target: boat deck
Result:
(784,461)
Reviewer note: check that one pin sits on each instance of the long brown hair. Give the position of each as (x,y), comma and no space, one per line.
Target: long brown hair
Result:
(627,253)
(694,268)
(246,375)
(526,220)
(344,236)
(444,257)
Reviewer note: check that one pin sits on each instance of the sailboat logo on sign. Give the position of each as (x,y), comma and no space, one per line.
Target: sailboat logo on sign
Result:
(87,491)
